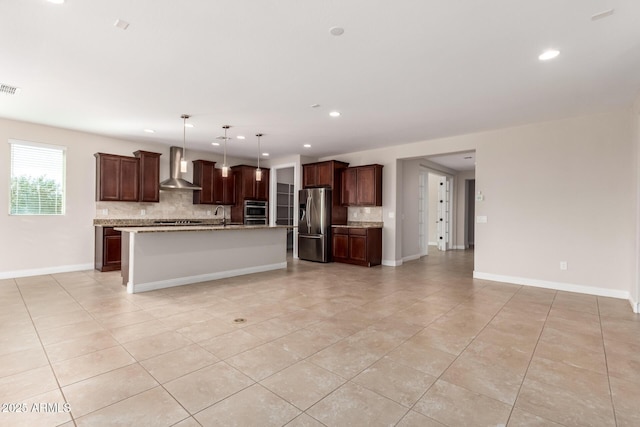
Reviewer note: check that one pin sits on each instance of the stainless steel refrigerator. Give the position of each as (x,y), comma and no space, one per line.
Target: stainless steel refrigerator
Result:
(314,224)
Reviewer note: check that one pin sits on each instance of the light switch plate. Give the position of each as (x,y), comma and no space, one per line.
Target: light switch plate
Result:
(481,219)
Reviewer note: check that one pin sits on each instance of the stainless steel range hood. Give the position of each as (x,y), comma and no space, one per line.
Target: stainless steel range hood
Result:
(175,182)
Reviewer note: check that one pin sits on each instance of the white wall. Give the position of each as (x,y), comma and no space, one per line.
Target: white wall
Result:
(410,209)
(461,207)
(547,188)
(33,245)
(635,293)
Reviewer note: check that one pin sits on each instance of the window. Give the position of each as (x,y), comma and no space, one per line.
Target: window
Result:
(37,179)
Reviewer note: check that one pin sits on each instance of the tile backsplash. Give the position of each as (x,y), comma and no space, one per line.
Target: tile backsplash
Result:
(172,205)
(364,214)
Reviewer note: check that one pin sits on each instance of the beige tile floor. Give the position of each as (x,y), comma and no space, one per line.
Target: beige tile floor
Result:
(418,345)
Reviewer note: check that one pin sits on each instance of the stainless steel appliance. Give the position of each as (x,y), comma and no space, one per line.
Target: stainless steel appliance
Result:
(314,224)
(255,212)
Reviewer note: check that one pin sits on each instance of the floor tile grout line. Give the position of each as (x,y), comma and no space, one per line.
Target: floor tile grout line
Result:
(461,352)
(606,363)
(524,377)
(55,376)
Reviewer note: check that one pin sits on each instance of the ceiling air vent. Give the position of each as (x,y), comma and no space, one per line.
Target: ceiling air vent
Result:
(9,90)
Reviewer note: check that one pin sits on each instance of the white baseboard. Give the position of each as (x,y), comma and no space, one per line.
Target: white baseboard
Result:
(568,287)
(47,270)
(635,305)
(392,262)
(433,243)
(162,284)
(410,258)
(459,247)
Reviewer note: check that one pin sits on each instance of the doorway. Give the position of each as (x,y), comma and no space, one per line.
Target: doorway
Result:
(284,201)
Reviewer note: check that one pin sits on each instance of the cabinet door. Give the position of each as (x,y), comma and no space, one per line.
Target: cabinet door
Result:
(149,176)
(324,174)
(340,246)
(262,187)
(309,176)
(112,253)
(349,193)
(247,178)
(206,175)
(358,248)
(108,179)
(129,184)
(224,193)
(367,186)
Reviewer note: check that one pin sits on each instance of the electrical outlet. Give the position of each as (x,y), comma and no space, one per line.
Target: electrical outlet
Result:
(143,211)
(105,211)
(563,265)
(367,210)
(208,213)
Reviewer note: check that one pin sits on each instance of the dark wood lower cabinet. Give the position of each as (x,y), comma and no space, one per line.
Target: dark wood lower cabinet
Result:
(108,253)
(360,246)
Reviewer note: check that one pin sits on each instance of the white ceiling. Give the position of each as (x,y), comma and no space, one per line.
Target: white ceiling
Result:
(403,71)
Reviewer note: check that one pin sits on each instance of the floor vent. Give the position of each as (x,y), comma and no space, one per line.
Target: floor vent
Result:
(9,90)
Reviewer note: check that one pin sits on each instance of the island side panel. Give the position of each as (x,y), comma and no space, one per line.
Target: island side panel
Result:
(164,259)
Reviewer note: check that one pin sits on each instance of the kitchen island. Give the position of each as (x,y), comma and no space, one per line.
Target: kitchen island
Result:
(167,256)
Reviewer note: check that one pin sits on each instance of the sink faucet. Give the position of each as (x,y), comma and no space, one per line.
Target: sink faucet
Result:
(224,218)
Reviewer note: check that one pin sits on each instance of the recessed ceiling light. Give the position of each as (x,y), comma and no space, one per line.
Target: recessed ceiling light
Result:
(215,143)
(265,154)
(315,105)
(336,31)
(307,145)
(56,1)
(188,125)
(240,137)
(334,114)
(150,131)
(548,54)
(123,25)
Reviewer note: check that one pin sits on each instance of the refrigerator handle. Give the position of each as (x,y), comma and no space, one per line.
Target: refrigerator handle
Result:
(309,201)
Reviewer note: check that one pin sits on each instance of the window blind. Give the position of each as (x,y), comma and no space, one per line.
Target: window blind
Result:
(37,179)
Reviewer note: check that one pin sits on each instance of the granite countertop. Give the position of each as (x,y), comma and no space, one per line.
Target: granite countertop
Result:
(218,227)
(356,224)
(146,222)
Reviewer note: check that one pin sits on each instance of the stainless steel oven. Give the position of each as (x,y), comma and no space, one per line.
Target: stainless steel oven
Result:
(255,212)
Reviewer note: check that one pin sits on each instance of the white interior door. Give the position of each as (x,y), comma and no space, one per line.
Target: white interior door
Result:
(444,205)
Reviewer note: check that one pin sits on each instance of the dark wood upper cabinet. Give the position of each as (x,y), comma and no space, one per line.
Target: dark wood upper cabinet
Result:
(247,188)
(224,191)
(216,190)
(327,174)
(362,186)
(117,178)
(322,174)
(349,187)
(149,176)
(204,176)
(262,187)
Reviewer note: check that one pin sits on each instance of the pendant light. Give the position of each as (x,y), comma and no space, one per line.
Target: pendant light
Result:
(225,168)
(183,161)
(259,171)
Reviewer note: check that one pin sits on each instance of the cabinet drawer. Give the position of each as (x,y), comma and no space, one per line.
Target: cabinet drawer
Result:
(340,230)
(358,231)
(110,231)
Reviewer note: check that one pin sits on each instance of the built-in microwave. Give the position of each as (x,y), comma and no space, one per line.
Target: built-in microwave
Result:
(255,209)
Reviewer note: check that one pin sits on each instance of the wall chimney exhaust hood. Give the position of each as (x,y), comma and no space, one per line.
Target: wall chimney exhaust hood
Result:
(175,182)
